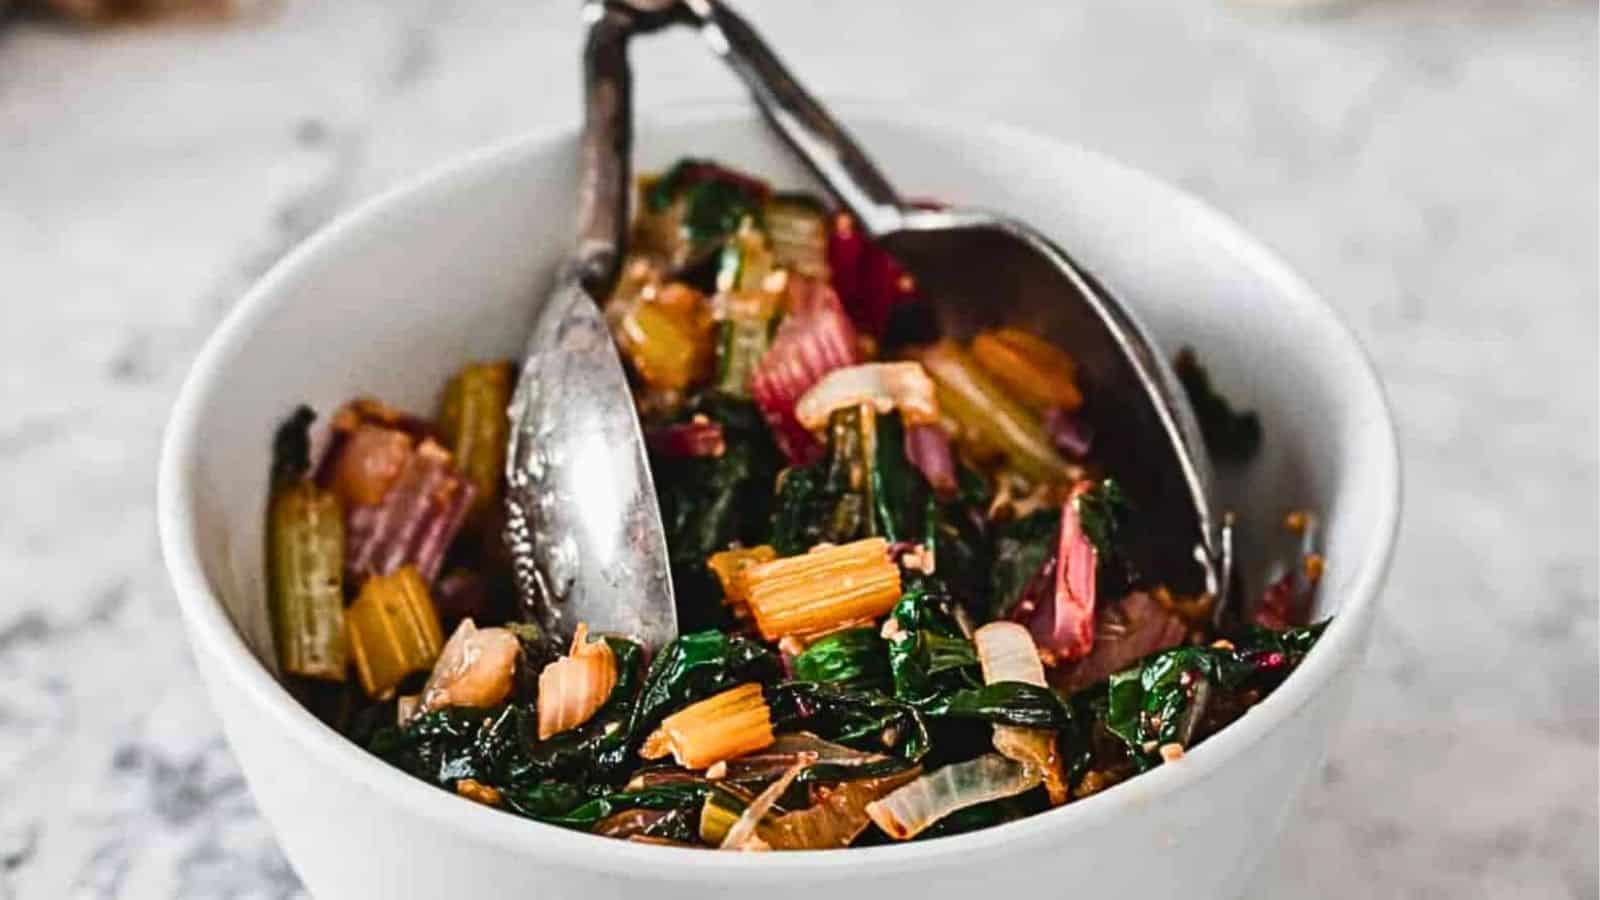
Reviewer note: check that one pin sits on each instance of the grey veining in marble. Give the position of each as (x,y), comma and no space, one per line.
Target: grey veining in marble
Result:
(1429,164)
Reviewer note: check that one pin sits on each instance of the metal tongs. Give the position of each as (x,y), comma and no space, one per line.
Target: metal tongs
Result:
(585,530)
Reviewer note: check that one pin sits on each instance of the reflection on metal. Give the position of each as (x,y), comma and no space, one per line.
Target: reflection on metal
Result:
(582,525)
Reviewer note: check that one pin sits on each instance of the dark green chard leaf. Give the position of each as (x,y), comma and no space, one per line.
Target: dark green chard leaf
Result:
(291,446)
(930,656)
(830,500)
(1103,513)
(1021,548)
(543,800)
(583,817)
(803,509)
(898,489)
(1295,643)
(701,504)
(988,815)
(446,745)
(957,534)
(670,184)
(1078,741)
(866,486)
(707,503)
(864,720)
(1160,700)
(694,667)
(597,751)
(1149,703)
(715,200)
(363,719)
(908,510)
(498,746)
(1005,703)
(857,659)
(713,210)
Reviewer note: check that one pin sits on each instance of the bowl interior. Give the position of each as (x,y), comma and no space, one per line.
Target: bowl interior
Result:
(392,298)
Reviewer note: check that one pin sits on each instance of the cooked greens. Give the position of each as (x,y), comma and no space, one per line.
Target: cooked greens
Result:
(903,574)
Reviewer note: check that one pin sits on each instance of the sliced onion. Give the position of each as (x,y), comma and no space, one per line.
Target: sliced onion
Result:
(836,819)
(789,749)
(1007,653)
(928,448)
(903,386)
(474,668)
(906,812)
(574,687)
(745,827)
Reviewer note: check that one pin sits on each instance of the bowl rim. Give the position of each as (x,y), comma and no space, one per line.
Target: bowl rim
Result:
(212,632)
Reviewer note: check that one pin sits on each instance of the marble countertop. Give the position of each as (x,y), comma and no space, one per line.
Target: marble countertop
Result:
(1430,165)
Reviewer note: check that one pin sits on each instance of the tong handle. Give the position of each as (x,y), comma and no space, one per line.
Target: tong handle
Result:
(607,143)
(605,149)
(810,131)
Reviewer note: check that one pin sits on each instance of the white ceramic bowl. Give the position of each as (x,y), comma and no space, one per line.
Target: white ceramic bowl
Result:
(390,298)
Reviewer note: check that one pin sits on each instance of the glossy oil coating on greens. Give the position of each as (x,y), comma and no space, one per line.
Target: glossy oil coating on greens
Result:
(847,497)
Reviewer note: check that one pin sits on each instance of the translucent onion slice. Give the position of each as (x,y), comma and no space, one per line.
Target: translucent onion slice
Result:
(887,386)
(745,827)
(906,812)
(1007,653)
(473,669)
(836,819)
(574,687)
(788,749)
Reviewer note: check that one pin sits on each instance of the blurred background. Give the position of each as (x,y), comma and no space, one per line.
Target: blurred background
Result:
(1429,165)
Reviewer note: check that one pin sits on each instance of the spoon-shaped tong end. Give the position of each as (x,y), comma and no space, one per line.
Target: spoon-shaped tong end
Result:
(583,526)
(979,270)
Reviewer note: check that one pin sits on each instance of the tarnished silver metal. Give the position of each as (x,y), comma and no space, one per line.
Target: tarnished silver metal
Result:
(980,269)
(583,526)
